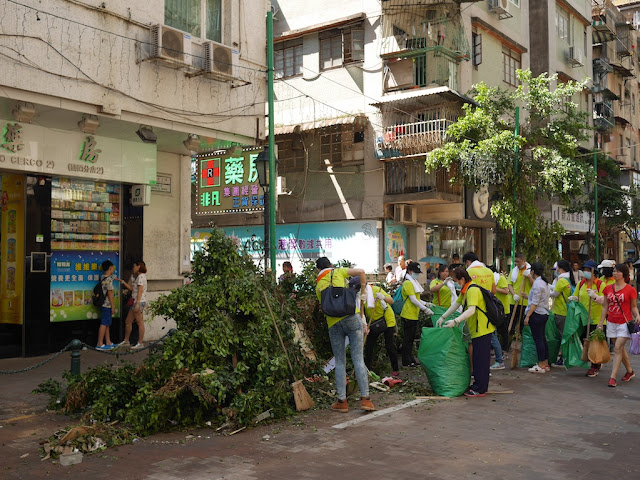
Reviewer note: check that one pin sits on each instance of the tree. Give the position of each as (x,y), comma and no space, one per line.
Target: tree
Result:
(482,150)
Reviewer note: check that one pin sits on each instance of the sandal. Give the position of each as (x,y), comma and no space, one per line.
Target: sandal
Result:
(537,369)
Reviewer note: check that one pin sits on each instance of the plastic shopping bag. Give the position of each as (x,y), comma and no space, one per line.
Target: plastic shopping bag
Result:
(634,347)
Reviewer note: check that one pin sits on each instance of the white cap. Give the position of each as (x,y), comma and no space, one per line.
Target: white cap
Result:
(607,264)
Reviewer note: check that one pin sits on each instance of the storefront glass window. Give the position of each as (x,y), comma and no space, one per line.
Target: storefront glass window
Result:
(443,241)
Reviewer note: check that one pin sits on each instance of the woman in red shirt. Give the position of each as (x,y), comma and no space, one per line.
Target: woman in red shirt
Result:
(620,306)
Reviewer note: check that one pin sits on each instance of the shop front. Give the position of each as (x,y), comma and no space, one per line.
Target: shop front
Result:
(65,209)
(578,227)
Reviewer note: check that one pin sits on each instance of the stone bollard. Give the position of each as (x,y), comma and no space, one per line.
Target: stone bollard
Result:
(76,348)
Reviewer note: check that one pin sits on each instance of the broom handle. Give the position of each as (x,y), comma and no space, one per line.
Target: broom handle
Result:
(515,308)
(279,336)
(589,320)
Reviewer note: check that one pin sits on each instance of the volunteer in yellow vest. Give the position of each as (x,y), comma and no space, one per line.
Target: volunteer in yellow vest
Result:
(351,326)
(411,290)
(606,269)
(591,286)
(479,327)
(383,320)
(441,288)
(478,271)
(502,294)
(519,283)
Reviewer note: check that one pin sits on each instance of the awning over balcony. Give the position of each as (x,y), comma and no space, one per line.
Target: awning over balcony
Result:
(601,32)
(423,97)
(358,120)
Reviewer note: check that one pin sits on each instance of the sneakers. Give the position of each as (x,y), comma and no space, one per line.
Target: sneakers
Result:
(537,369)
(628,376)
(104,347)
(497,366)
(124,343)
(472,393)
(365,404)
(612,382)
(340,406)
(593,372)
(559,363)
(137,346)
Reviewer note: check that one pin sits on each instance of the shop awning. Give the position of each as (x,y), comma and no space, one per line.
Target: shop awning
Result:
(329,122)
(423,97)
(601,32)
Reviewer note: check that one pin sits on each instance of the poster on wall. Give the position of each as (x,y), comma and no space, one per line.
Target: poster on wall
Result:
(73,277)
(395,241)
(11,248)
(355,241)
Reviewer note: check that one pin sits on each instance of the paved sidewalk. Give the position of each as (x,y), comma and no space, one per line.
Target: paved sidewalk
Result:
(560,425)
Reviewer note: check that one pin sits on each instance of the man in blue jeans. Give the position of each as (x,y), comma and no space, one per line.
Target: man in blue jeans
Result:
(352,326)
(497,349)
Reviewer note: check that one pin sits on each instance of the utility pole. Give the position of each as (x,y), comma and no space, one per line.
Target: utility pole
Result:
(595,203)
(515,197)
(272,149)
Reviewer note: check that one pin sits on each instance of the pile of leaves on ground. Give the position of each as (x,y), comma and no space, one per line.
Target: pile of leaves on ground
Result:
(86,439)
(224,364)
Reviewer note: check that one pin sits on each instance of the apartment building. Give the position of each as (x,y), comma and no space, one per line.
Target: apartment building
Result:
(102,106)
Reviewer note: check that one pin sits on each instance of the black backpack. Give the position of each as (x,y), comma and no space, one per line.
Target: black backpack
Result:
(98,294)
(495,309)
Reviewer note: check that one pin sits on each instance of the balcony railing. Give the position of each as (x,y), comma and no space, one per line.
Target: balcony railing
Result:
(409,176)
(603,116)
(412,138)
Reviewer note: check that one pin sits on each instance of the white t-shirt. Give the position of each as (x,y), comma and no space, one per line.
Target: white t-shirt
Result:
(141,279)
(390,277)
(400,273)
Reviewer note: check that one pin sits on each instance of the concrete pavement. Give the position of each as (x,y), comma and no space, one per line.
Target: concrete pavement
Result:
(559,425)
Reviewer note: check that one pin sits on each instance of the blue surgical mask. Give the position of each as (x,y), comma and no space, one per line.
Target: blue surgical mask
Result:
(555,273)
(415,275)
(458,287)
(587,275)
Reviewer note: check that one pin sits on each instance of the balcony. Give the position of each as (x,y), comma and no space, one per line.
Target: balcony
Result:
(409,177)
(603,116)
(408,139)
(622,113)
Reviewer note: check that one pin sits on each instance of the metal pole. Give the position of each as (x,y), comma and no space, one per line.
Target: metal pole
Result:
(595,204)
(272,149)
(265,243)
(515,197)
(76,348)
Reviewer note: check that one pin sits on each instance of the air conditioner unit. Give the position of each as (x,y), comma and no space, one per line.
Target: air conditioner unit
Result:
(575,57)
(405,214)
(170,44)
(219,60)
(499,7)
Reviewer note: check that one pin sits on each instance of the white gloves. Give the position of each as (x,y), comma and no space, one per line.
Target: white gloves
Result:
(427,311)
(450,324)
(440,321)
(527,272)
(384,305)
(592,294)
(573,298)
(380,296)
(426,304)
(363,297)
(516,298)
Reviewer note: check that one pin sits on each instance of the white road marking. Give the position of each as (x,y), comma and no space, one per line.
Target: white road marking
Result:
(378,413)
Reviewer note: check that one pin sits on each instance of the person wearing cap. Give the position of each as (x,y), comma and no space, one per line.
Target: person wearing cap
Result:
(411,290)
(582,294)
(606,269)
(520,282)
(560,292)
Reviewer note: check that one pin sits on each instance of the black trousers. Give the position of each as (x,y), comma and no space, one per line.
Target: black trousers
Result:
(409,328)
(538,322)
(481,362)
(375,330)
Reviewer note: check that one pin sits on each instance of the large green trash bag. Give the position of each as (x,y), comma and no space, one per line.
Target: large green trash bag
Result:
(528,354)
(553,337)
(439,311)
(445,360)
(574,325)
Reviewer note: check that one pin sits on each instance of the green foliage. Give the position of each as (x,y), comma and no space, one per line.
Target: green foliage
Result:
(224,363)
(483,150)
(53,388)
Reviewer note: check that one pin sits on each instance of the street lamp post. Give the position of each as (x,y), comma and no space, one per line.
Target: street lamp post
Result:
(264,175)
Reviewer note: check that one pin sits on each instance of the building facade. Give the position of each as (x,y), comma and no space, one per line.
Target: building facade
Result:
(102,108)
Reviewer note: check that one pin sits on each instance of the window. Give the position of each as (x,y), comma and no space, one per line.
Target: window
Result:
(200,18)
(290,153)
(477,49)
(331,50)
(510,63)
(562,24)
(353,45)
(331,146)
(287,58)
(515,2)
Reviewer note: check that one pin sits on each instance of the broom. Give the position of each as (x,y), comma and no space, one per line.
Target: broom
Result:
(585,346)
(300,394)
(517,344)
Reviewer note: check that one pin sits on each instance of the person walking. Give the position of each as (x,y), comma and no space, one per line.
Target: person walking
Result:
(583,293)
(353,327)
(480,329)
(383,321)
(519,282)
(411,290)
(136,312)
(619,304)
(442,288)
(537,316)
(108,309)
(560,292)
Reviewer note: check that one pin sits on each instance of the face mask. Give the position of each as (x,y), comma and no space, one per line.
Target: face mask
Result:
(523,266)
(587,275)
(458,287)
(415,275)
(555,273)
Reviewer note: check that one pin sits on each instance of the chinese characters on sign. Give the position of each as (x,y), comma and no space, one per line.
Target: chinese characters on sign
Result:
(13,137)
(228,184)
(89,151)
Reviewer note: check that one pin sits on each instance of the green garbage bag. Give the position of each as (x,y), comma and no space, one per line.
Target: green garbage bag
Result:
(445,360)
(574,325)
(528,354)
(554,339)
(439,311)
